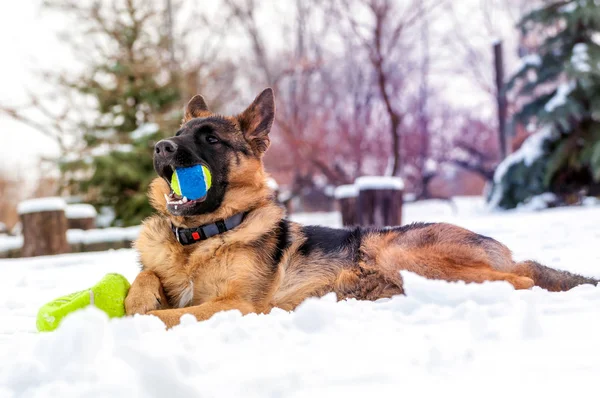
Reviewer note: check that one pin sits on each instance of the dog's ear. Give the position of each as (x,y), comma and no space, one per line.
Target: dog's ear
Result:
(256,121)
(196,108)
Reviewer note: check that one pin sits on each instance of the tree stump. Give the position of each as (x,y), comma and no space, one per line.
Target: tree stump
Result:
(346,196)
(44,227)
(379,201)
(81,216)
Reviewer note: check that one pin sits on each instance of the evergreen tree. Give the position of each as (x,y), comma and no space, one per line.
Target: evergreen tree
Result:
(135,93)
(559,88)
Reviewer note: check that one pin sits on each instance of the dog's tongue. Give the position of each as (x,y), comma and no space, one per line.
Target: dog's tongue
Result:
(191,182)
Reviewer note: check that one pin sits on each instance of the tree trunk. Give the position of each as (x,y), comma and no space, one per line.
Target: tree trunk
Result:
(346,196)
(82,223)
(81,216)
(44,227)
(348,210)
(44,233)
(379,201)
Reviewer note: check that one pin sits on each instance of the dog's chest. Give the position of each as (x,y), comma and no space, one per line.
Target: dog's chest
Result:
(194,281)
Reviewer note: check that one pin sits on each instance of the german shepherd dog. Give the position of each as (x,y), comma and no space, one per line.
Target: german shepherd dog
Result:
(234,249)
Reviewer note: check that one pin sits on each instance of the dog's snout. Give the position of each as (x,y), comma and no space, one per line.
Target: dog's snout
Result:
(165,148)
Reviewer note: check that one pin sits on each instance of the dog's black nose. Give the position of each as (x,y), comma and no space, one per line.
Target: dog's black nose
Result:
(165,148)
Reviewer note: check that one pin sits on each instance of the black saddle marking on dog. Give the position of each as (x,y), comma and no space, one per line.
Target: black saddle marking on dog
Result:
(331,241)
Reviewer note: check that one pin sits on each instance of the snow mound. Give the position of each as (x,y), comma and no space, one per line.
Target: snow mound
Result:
(325,349)
(10,243)
(379,182)
(41,204)
(80,210)
(538,202)
(345,191)
(90,236)
(441,338)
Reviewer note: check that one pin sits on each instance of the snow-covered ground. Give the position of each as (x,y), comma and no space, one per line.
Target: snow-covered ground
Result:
(442,338)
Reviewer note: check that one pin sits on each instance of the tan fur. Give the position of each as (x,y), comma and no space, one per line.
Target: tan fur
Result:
(236,269)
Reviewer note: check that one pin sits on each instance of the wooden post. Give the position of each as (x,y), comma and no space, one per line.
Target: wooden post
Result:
(501,100)
(81,216)
(44,227)
(346,198)
(379,201)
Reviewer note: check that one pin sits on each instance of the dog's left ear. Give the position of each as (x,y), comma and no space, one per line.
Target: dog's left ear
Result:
(195,108)
(256,121)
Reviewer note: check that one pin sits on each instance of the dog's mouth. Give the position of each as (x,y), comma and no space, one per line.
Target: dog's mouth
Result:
(174,199)
(178,203)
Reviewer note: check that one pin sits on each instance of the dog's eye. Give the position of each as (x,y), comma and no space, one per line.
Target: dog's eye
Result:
(211,139)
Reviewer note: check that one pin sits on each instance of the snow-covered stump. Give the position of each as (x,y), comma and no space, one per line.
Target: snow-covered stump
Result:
(346,196)
(44,227)
(379,201)
(81,216)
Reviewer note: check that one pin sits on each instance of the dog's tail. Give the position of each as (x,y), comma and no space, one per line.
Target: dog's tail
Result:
(550,278)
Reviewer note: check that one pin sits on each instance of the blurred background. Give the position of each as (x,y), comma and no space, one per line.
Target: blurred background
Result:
(498,98)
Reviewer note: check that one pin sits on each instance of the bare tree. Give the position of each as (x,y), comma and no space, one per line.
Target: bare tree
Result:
(296,74)
(381,36)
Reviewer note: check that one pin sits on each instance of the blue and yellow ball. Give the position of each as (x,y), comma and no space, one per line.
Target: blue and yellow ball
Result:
(191,182)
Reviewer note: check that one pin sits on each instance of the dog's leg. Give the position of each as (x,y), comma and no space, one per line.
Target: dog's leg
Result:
(550,278)
(481,274)
(145,294)
(203,311)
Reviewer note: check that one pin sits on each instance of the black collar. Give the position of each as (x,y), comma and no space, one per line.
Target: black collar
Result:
(188,236)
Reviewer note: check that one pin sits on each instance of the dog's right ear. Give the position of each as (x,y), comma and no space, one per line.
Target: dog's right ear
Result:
(196,108)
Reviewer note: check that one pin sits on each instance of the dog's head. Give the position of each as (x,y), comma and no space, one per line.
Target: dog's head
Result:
(229,148)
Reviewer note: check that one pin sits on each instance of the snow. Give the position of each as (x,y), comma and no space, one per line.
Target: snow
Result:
(80,210)
(580,58)
(346,191)
(272,184)
(529,152)
(538,202)
(530,60)
(106,217)
(8,243)
(431,166)
(76,236)
(568,8)
(476,339)
(144,130)
(560,98)
(378,182)
(41,204)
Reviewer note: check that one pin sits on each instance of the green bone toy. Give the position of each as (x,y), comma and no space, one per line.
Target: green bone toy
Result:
(108,295)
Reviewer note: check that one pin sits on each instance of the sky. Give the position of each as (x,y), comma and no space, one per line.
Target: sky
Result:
(29,41)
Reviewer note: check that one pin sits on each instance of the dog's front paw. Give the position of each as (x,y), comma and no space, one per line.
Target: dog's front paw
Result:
(169,317)
(142,302)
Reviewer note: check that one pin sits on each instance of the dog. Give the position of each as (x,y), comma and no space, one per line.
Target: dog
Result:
(234,249)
